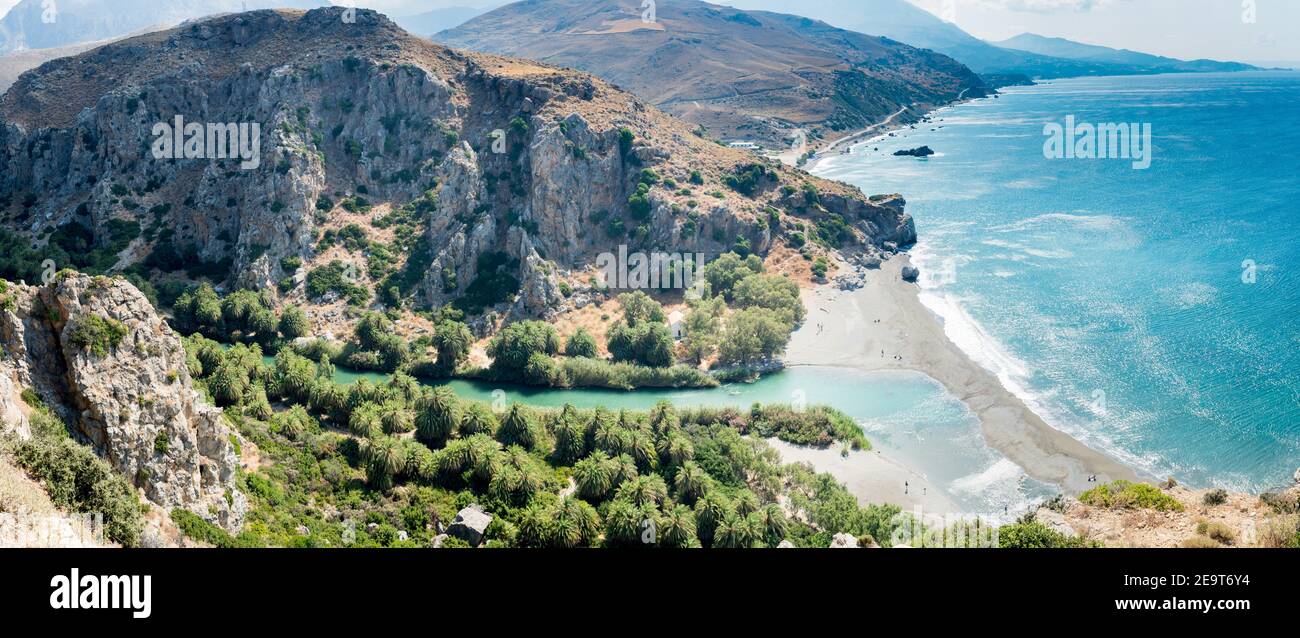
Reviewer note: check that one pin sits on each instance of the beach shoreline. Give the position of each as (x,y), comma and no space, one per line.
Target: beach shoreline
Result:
(872,476)
(884,326)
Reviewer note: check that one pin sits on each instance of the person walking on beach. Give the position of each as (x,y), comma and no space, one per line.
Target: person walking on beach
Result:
(905,487)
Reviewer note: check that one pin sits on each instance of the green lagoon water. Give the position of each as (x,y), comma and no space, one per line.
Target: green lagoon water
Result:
(906,415)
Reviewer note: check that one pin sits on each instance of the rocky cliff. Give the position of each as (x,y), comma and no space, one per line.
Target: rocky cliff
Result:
(531,168)
(94,350)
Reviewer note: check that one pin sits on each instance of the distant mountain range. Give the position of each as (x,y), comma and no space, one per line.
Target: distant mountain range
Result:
(742,74)
(1028,55)
(430,22)
(1140,62)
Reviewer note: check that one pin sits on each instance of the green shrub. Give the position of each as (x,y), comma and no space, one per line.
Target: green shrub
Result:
(1201,542)
(79,481)
(95,333)
(513,347)
(583,372)
(333,277)
(1215,497)
(1128,495)
(1218,531)
(1035,535)
(193,526)
(581,344)
(817,425)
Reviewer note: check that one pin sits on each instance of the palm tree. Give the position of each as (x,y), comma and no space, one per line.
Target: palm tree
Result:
(677,528)
(384,459)
(365,420)
(396,418)
(623,524)
(576,523)
(593,476)
(293,422)
(643,450)
(331,399)
(624,469)
(676,448)
(478,419)
(453,341)
(293,375)
(710,510)
(691,482)
(612,438)
(258,406)
(505,484)
(746,503)
(773,523)
(228,384)
(570,437)
(518,429)
(663,417)
(734,532)
(644,490)
(534,527)
(437,415)
(484,456)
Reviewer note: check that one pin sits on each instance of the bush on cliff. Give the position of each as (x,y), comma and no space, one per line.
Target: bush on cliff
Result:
(79,481)
(95,333)
(1129,495)
(1028,534)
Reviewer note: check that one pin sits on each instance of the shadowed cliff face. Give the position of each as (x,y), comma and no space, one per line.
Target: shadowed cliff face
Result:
(510,160)
(126,390)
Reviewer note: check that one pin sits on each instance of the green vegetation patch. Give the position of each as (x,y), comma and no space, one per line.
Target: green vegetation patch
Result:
(1129,495)
(95,333)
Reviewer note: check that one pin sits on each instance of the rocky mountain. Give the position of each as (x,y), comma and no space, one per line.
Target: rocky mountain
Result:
(495,168)
(906,22)
(95,351)
(1137,62)
(38,24)
(741,74)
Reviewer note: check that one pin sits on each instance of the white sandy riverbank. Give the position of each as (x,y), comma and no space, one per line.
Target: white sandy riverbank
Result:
(884,325)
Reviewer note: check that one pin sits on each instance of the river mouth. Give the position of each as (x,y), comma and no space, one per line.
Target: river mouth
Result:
(906,415)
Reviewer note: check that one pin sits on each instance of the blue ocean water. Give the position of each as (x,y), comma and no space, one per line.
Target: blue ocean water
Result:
(1153,314)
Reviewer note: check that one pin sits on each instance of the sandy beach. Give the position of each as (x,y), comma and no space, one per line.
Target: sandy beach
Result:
(871,476)
(867,328)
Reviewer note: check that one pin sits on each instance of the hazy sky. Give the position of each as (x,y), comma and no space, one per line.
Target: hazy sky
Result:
(1180,28)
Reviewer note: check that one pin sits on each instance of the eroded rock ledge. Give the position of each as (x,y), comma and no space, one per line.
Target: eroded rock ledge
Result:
(97,353)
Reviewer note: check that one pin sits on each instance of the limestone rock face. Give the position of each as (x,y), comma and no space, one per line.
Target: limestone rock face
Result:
(531,170)
(130,395)
(1055,521)
(844,541)
(470,524)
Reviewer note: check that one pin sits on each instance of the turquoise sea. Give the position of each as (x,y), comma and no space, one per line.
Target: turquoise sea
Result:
(1153,314)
